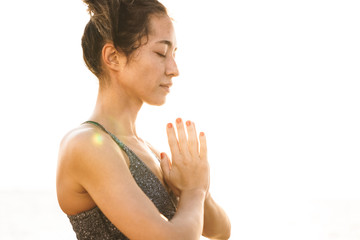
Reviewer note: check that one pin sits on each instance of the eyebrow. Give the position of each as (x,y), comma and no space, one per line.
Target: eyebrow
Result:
(167,42)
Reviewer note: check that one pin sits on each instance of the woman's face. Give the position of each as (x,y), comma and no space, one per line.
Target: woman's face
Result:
(148,74)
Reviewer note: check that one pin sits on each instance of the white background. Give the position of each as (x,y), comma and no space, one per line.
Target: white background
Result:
(274,85)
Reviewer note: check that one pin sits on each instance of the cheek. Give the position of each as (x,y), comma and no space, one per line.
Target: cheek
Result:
(147,72)
(153,70)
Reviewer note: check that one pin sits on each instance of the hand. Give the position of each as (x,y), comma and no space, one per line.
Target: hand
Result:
(189,168)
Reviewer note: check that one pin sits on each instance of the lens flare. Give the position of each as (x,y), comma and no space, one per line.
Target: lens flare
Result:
(97,138)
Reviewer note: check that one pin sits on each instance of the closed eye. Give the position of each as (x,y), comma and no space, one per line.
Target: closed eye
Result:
(159,54)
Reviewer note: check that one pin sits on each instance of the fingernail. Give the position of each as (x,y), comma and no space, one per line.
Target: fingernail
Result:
(178,120)
(202,134)
(162,156)
(169,125)
(188,123)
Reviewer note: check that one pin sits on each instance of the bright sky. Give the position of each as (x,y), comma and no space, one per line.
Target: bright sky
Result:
(274,85)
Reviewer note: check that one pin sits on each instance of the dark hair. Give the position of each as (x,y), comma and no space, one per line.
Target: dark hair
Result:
(123,22)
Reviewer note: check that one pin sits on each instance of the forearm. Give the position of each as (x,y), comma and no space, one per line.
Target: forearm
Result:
(188,221)
(216,223)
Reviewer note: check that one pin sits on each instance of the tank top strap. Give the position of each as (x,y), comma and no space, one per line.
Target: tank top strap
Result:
(125,148)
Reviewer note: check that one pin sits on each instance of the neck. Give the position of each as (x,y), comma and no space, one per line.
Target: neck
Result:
(117,111)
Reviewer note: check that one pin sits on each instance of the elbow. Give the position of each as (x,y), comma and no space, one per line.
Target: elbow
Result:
(227,232)
(223,234)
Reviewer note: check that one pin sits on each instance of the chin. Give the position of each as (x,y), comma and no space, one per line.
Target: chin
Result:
(157,102)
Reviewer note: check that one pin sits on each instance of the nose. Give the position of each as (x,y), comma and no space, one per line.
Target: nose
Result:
(171,68)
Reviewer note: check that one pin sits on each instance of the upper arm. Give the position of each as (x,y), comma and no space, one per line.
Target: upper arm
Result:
(101,168)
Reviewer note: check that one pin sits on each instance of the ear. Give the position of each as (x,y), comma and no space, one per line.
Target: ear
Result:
(112,59)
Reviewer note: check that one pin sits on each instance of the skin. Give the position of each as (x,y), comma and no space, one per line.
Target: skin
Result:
(94,171)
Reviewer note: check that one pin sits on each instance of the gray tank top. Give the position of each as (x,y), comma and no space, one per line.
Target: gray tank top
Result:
(93,224)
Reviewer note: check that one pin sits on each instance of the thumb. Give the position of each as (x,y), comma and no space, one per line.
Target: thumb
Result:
(165,165)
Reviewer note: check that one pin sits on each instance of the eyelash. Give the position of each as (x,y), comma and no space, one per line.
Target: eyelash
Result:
(161,55)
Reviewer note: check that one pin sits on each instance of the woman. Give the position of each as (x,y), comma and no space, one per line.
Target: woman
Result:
(109,181)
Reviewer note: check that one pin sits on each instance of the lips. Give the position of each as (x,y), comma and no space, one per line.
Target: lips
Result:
(166,86)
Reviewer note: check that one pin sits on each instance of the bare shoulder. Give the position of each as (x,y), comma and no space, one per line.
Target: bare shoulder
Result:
(76,141)
(89,160)
(84,137)
(84,147)
(72,147)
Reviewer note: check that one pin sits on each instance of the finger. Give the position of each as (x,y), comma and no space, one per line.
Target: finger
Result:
(203,147)
(165,165)
(192,139)
(182,137)
(173,142)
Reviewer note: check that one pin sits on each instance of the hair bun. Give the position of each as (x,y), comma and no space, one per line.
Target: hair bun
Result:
(94,6)
(97,6)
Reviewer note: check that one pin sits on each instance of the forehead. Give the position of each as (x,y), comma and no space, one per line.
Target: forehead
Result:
(161,29)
